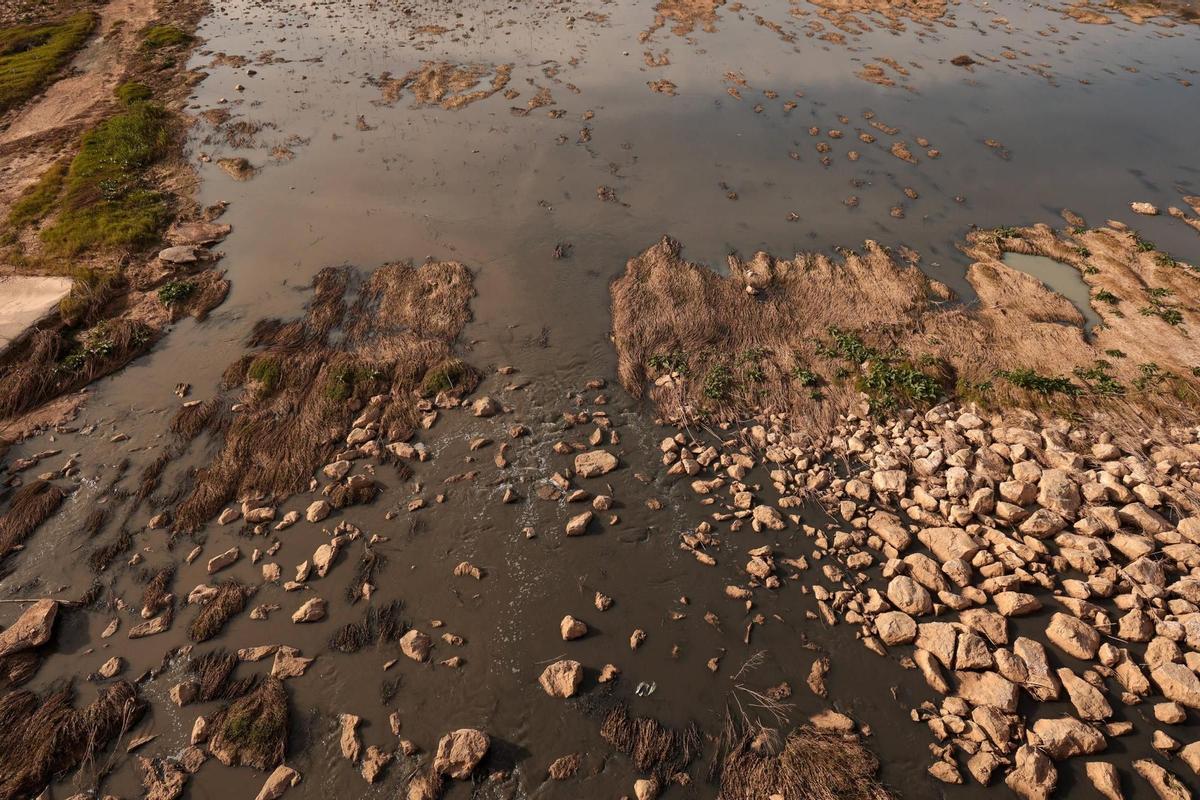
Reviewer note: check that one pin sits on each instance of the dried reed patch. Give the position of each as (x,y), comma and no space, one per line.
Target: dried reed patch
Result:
(811,765)
(306,379)
(653,747)
(253,730)
(805,337)
(229,601)
(41,737)
(379,626)
(31,505)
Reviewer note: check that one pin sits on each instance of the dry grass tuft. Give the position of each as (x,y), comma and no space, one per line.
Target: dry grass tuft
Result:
(379,626)
(253,730)
(228,603)
(214,670)
(31,505)
(157,594)
(653,747)
(812,765)
(41,737)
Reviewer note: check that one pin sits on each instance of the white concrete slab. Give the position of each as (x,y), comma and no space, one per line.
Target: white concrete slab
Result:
(25,300)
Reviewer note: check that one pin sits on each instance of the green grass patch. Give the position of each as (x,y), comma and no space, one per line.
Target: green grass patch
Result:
(107,201)
(31,54)
(132,92)
(157,37)
(451,373)
(672,362)
(718,383)
(38,200)
(266,371)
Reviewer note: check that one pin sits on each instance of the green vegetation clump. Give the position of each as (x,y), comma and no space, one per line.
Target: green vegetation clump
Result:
(31,54)
(157,37)
(99,344)
(91,289)
(1158,307)
(1151,376)
(445,376)
(343,380)
(265,371)
(1029,380)
(1099,380)
(131,92)
(177,291)
(672,362)
(888,378)
(106,200)
(37,201)
(1105,296)
(718,383)
(806,377)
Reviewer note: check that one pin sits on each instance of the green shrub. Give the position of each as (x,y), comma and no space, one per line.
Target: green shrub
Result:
(718,383)
(1029,380)
(173,292)
(31,54)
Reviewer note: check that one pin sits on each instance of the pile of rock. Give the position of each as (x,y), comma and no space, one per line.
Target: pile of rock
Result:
(951,524)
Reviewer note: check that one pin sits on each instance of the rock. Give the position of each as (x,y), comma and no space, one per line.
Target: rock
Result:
(1165,785)
(572,628)
(228,515)
(946,772)
(767,517)
(987,689)
(374,762)
(889,481)
(289,663)
(254,516)
(485,407)
(111,668)
(351,746)
(1191,756)
(645,789)
(278,782)
(1041,682)
(317,510)
(32,629)
(948,544)
(562,678)
(1034,777)
(896,627)
(1178,683)
(594,463)
(163,780)
(1105,779)
(1073,636)
(909,596)
(1058,493)
(1170,713)
(1016,604)
(416,645)
(458,753)
(1146,209)
(983,765)
(220,562)
(1089,701)
(830,720)
(311,611)
(1067,737)
(180,254)
(931,671)
(577,525)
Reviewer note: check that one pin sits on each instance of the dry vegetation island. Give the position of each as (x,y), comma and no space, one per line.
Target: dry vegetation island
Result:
(415,493)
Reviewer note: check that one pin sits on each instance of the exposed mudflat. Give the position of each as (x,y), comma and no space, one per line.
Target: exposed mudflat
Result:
(426,423)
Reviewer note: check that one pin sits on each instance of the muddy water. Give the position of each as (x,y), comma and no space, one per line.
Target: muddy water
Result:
(1089,118)
(1060,277)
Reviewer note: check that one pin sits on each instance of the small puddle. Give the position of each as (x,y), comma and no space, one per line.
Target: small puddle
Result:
(1062,278)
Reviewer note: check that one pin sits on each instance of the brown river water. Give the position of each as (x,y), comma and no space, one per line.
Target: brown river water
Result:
(1090,117)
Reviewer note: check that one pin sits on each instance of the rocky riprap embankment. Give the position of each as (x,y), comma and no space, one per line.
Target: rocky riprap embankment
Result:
(949,525)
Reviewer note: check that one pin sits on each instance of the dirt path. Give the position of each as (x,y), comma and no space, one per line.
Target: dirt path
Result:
(75,99)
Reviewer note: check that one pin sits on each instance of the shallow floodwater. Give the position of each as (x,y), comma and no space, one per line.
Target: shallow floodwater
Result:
(1062,278)
(1084,117)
